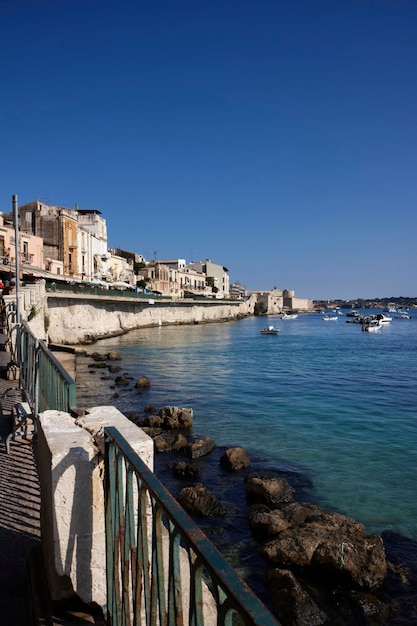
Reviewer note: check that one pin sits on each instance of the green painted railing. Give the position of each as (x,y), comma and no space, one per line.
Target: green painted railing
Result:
(161,568)
(42,378)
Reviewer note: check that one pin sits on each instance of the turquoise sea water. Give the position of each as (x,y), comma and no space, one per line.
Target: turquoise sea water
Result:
(323,398)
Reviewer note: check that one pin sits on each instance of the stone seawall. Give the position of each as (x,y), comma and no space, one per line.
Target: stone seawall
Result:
(73,319)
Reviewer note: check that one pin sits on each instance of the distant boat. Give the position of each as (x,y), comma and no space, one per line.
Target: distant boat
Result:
(372,326)
(384,319)
(270,330)
(289,316)
(330,318)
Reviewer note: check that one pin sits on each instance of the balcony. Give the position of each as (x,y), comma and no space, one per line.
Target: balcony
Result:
(27,258)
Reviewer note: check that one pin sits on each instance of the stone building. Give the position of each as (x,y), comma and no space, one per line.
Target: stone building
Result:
(237,291)
(278,301)
(31,258)
(74,240)
(217,276)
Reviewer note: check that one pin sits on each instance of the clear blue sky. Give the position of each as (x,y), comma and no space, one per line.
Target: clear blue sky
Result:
(277,138)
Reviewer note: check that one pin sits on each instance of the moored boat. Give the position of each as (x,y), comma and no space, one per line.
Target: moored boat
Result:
(384,319)
(372,325)
(270,330)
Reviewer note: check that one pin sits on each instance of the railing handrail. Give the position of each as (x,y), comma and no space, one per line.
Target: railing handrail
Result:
(129,556)
(46,384)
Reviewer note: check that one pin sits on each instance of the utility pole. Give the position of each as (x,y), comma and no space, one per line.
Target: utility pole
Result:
(17,256)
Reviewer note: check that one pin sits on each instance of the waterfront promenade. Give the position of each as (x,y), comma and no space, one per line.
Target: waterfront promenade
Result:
(24,598)
(19,510)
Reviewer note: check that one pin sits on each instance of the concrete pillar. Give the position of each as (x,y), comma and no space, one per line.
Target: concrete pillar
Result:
(72,498)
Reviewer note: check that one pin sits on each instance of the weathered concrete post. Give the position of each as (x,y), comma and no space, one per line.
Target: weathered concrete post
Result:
(72,498)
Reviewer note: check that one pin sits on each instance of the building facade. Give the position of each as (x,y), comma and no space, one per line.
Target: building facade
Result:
(217,276)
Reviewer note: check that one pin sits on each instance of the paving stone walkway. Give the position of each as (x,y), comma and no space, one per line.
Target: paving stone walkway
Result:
(19,509)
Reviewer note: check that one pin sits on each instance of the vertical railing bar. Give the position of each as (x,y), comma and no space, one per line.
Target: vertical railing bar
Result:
(129,545)
(136,561)
(158,602)
(110,482)
(120,533)
(175,608)
(143,544)
(196,590)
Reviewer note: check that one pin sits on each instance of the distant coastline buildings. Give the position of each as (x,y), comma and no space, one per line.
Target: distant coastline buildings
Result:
(71,245)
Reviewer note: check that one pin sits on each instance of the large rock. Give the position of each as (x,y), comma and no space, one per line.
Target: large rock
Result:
(121,381)
(175,418)
(166,442)
(185,471)
(152,421)
(331,545)
(169,418)
(143,382)
(267,523)
(270,490)
(295,607)
(198,500)
(235,459)
(199,448)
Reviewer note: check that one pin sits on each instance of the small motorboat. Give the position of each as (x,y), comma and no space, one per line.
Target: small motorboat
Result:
(372,325)
(270,330)
(289,316)
(330,318)
(384,319)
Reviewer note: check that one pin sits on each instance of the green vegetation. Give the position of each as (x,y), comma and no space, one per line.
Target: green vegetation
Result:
(137,267)
(33,313)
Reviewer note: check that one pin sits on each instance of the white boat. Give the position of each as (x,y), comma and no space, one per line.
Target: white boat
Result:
(403,316)
(384,319)
(270,330)
(330,318)
(372,326)
(289,316)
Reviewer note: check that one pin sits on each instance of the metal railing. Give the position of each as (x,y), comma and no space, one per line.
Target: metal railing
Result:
(42,379)
(161,568)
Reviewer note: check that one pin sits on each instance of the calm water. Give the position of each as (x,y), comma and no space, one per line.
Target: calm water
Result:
(322,397)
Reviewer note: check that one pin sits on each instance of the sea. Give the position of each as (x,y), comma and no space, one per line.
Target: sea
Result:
(321,399)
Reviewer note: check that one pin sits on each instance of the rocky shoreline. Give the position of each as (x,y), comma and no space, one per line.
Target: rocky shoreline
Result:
(310,566)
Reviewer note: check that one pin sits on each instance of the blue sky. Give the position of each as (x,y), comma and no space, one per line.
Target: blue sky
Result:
(276,138)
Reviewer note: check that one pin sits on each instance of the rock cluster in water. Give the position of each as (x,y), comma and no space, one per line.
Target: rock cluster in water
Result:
(303,543)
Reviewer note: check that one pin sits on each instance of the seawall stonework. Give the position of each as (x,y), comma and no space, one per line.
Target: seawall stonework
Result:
(76,319)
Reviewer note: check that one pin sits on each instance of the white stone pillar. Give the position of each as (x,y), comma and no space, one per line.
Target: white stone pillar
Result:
(72,498)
